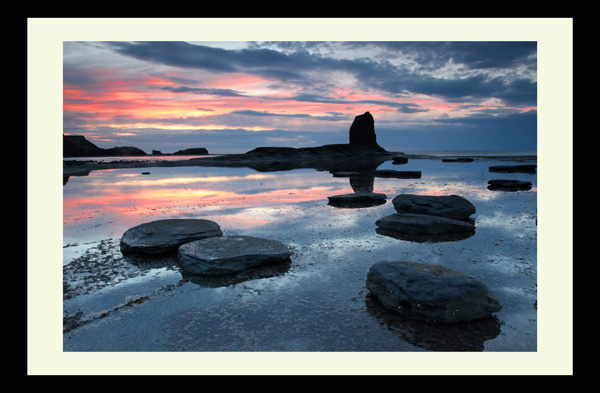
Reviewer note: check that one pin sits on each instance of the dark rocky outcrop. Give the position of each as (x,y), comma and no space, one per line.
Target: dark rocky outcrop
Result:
(430,293)
(123,151)
(449,206)
(508,185)
(362,132)
(195,151)
(333,158)
(78,146)
(229,254)
(164,236)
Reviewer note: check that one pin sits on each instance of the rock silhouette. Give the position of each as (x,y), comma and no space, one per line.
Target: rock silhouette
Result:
(362,132)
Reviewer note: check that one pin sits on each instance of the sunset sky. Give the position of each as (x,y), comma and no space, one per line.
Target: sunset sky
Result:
(231,97)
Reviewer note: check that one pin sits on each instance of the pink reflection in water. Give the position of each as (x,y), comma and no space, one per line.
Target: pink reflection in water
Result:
(129,199)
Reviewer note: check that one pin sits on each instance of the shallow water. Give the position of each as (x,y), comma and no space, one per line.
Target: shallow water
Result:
(318,301)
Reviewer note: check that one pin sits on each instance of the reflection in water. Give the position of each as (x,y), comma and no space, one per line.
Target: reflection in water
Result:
(257,273)
(357,203)
(461,336)
(362,183)
(312,304)
(129,201)
(425,238)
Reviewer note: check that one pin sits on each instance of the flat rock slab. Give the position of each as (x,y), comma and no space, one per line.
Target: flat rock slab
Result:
(229,254)
(508,185)
(392,174)
(523,168)
(424,228)
(430,293)
(450,206)
(357,199)
(458,159)
(163,236)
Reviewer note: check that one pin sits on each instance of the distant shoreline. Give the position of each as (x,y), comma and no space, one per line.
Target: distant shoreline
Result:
(511,154)
(273,161)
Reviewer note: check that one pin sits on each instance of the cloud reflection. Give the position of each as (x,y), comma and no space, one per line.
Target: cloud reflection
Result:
(127,199)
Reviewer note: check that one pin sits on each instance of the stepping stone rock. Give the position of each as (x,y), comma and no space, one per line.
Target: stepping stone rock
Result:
(450,206)
(359,199)
(390,173)
(524,168)
(163,236)
(424,227)
(430,293)
(509,185)
(229,254)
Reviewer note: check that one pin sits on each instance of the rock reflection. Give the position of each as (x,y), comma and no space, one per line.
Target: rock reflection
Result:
(424,238)
(356,204)
(362,182)
(461,336)
(257,273)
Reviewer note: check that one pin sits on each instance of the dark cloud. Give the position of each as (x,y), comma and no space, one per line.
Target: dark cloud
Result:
(198,90)
(332,117)
(483,120)
(478,88)
(402,107)
(298,64)
(433,54)
(179,54)
(517,131)
(267,114)
(411,108)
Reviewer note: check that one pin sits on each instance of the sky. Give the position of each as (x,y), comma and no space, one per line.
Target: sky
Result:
(231,97)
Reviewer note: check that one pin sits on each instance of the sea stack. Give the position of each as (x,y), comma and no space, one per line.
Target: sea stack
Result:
(362,132)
